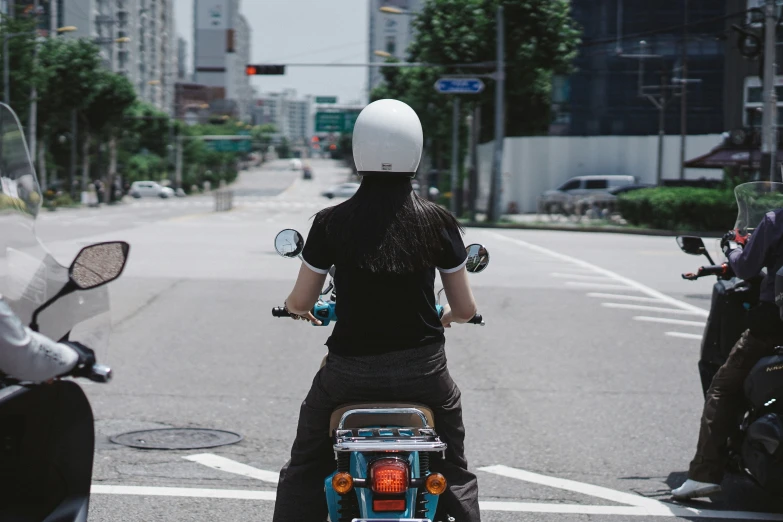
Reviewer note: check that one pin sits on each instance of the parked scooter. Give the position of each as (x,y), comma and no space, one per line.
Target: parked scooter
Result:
(757,448)
(382,450)
(46,430)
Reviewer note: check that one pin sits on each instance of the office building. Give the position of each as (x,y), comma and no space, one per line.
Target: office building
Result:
(222,39)
(292,116)
(390,33)
(602,97)
(182,60)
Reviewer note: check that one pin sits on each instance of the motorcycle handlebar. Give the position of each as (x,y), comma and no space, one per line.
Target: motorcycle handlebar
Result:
(709,270)
(279,311)
(477,319)
(100,373)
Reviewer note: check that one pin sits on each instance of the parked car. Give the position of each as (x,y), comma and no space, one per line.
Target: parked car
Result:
(564,198)
(141,189)
(344,190)
(605,203)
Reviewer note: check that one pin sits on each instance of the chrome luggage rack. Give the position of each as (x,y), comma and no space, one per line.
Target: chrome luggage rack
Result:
(369,439)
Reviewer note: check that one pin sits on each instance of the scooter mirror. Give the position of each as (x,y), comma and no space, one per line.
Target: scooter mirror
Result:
(692,245)
(289,243)
(478,258)
(99,264)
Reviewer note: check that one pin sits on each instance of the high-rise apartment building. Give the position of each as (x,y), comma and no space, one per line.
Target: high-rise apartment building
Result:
(390,33)
(222,39)
(136,37)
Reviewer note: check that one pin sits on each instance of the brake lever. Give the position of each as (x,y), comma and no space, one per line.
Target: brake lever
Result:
(690,276)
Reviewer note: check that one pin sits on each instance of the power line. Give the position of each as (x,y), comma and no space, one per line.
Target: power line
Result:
(672,29)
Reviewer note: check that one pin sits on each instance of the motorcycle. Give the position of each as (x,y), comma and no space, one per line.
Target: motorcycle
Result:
(756,450)
(382,450)
(46,430)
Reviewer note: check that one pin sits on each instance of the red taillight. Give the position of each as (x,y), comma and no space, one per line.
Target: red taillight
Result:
(380,506)
(389,476)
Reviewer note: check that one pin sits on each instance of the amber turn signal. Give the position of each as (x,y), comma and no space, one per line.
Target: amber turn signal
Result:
(435,484)
(342,483)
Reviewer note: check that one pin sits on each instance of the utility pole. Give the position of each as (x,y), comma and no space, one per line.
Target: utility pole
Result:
(32,129)
(454,155)
(178,167)
(500,127)
(661,128)
(684,98)
(74,131)
(769,163)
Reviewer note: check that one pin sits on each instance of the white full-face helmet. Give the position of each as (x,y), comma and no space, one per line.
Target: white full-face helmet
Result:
(387,140)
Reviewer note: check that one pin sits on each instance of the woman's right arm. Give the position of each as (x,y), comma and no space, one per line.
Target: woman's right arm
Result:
(462,305)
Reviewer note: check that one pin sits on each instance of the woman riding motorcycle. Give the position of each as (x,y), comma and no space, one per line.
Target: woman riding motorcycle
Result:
(385,243)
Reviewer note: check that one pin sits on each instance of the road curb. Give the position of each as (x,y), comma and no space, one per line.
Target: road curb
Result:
(606,230)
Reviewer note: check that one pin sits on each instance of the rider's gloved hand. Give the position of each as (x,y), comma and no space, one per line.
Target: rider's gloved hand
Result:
(87,360)
(731,240)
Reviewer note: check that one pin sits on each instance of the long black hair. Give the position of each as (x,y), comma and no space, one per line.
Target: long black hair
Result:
(386,227)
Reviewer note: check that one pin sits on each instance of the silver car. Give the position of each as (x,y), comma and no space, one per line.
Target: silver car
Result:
(141,189)
(344,190)
(564,198)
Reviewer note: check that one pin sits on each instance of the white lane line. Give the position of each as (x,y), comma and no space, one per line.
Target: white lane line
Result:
(666,320)
(582,284)
(232,466)
(643,308)
(683,335)
(630,282)
(574,486)
(622,297)
(573,509)
(592,277)
(183,492)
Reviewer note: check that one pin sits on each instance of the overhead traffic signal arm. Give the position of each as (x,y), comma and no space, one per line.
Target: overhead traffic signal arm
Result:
(252,70)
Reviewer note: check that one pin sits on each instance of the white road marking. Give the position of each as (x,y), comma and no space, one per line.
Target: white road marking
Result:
(580,276)
(621,297)
(231,466)
(603,286)
(636,505)
(644,308)
(183,492)
(683,335)
(630,282)
(667,320)
(572,485)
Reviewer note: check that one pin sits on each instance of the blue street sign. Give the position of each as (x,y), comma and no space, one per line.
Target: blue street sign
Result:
(459,86)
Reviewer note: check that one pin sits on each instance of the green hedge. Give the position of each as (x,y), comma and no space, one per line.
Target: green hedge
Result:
(680,208)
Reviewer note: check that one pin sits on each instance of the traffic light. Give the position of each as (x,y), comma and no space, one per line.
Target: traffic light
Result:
(252,70)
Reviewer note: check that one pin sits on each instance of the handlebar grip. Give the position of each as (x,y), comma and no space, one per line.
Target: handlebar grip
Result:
(100,373)
(477,319)
(279,311)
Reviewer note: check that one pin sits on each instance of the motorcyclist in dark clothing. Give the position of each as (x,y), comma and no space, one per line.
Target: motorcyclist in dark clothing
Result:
(385,243)
(725,399)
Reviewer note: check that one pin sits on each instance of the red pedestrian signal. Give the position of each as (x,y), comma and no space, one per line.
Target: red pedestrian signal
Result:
(250,71)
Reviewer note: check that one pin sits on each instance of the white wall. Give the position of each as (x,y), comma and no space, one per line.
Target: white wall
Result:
(532,165)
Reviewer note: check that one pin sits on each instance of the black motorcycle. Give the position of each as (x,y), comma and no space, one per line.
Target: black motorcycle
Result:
(756,449)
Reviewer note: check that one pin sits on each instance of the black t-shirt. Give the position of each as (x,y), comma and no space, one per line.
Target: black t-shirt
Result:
(382,312)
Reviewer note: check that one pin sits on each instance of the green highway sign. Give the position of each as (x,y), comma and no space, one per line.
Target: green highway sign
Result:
(326,99)
(335,121)
(230,145)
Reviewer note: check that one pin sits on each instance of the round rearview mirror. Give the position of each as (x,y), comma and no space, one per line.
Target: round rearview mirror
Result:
(289,243)
(478,258)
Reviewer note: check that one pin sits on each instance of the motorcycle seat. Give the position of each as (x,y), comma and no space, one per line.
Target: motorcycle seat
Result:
(391,418)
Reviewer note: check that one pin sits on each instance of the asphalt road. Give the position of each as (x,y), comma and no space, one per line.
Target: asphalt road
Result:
(581,396)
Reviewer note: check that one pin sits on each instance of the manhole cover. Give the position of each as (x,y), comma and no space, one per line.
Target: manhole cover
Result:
(177,438)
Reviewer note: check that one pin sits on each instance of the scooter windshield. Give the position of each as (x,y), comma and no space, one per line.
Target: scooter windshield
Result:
(29,274)
(754,200)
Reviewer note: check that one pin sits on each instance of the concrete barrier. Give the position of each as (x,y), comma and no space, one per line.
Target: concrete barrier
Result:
(224,200)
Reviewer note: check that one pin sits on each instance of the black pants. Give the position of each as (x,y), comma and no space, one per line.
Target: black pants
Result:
(726,396)
(418,375)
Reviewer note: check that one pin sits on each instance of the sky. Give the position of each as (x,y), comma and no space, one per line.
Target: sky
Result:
(291,31)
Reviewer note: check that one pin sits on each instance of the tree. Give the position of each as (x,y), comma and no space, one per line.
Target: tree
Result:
(105,116)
